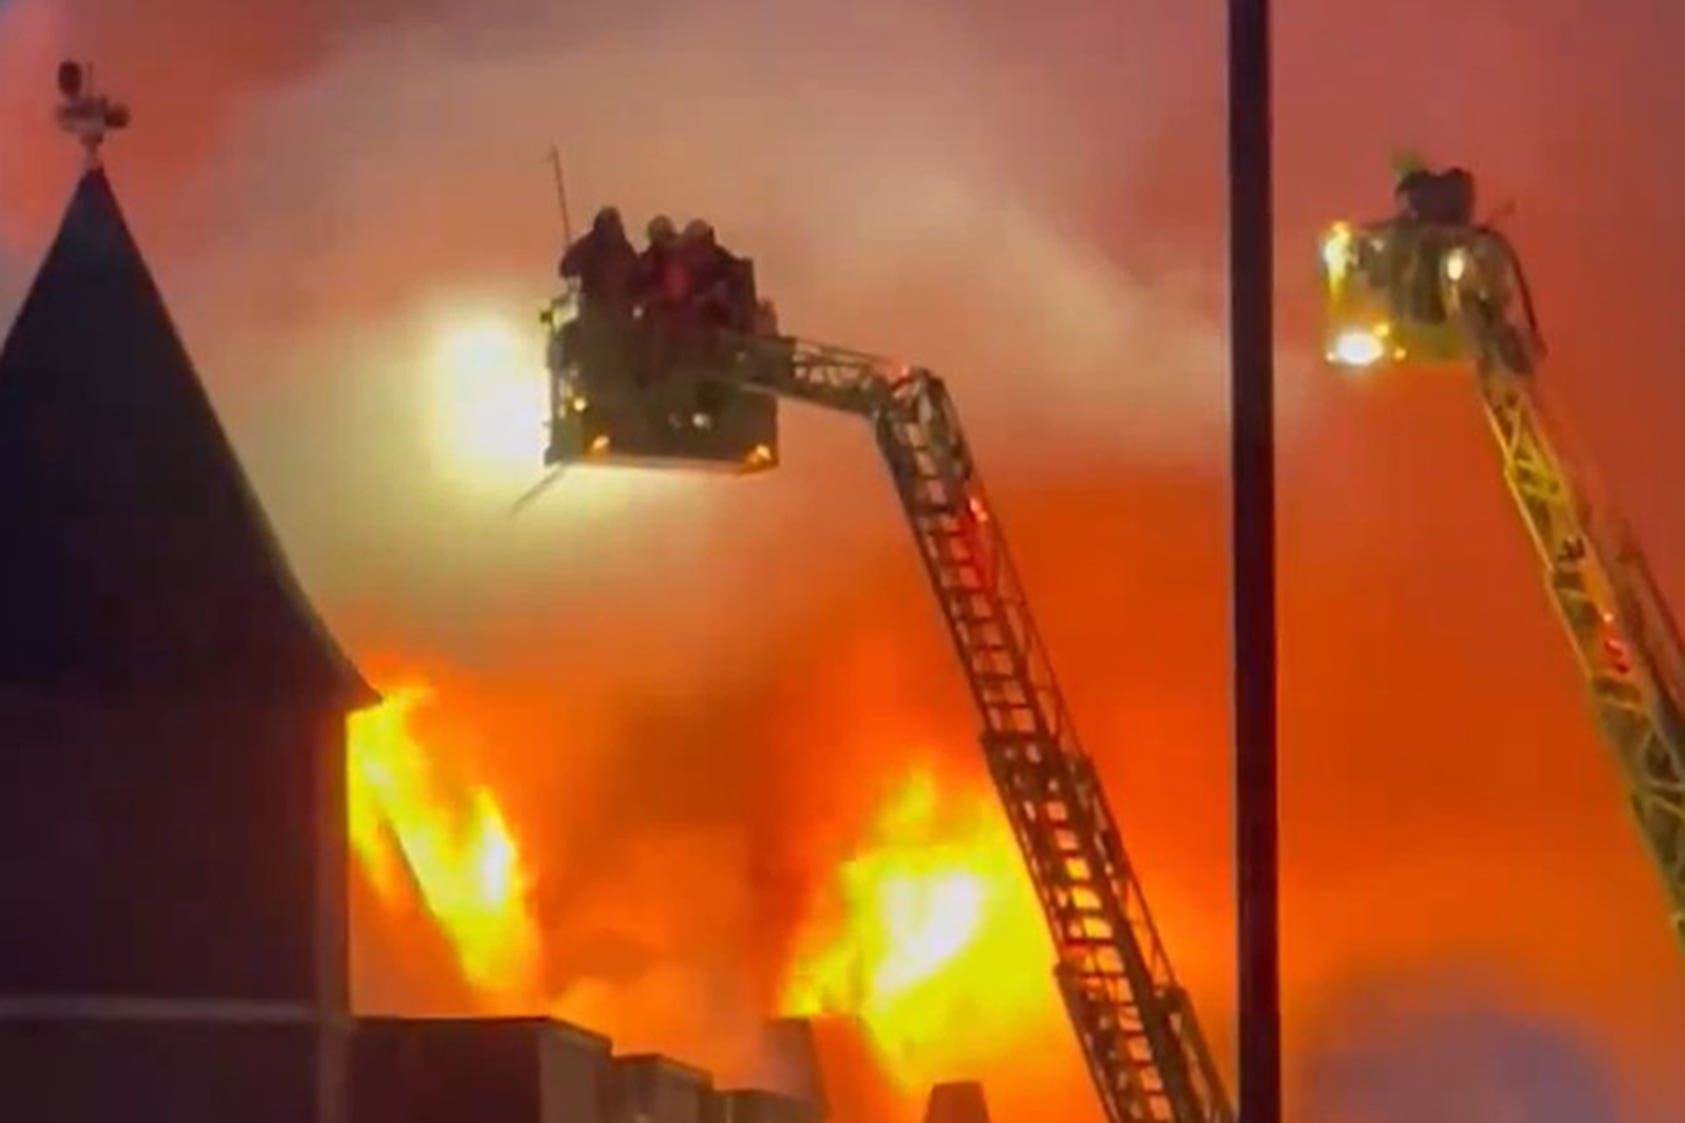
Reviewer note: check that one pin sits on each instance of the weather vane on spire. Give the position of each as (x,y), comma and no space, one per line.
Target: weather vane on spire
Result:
(85,114)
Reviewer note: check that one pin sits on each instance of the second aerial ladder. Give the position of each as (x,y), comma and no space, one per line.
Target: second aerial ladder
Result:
(1406,291)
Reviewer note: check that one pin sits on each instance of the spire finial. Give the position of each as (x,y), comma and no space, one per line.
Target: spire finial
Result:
(84,113)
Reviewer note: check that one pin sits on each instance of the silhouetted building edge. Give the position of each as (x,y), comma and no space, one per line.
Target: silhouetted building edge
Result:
(173,851)
(139,557)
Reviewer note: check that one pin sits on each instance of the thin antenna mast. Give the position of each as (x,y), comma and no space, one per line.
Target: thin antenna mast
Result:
(552,318)
(562,194)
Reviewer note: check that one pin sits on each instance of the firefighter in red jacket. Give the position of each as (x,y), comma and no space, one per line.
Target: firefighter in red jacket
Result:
(661,281)
(718,280)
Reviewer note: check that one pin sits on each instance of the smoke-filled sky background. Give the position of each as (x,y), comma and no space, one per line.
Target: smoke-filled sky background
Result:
(690,692)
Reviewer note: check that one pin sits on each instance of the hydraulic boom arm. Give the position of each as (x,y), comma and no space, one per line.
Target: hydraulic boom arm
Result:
(1406,290)
(1619,626)
(1135,1024)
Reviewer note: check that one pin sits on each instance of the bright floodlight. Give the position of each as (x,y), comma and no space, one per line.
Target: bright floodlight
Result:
(489,402)
(1357,347)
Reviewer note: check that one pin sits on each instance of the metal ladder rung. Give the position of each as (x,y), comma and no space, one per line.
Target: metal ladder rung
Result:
(976,650)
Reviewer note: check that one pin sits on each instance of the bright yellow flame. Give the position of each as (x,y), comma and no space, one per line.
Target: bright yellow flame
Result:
(1358,347)
(457,851)
(1456,264)
(930,936)
(489,402)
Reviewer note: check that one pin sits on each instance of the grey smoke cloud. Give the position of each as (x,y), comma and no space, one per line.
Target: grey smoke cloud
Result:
(865,156)
(1449,1048)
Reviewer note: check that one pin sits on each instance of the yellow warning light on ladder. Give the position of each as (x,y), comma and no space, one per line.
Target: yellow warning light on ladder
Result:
(1359,337)
(1336,252)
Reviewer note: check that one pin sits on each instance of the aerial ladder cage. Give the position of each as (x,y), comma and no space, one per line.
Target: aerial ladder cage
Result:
(1135,1024)
(1624,638)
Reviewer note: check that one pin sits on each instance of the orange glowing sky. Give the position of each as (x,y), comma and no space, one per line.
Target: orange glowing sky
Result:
(680,687)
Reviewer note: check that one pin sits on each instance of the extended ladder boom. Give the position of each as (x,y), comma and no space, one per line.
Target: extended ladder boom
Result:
(1136,1025)
(1617,622)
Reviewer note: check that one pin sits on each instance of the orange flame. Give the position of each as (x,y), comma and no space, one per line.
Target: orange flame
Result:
(929,936)
(458,853)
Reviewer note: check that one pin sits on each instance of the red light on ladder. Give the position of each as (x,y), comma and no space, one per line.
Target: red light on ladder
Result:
(978,511)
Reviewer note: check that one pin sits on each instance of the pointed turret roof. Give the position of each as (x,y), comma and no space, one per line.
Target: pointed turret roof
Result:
(136,557)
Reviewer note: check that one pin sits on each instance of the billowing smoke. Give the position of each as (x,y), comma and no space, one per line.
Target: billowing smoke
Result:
(1449,1046)
(678,686)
